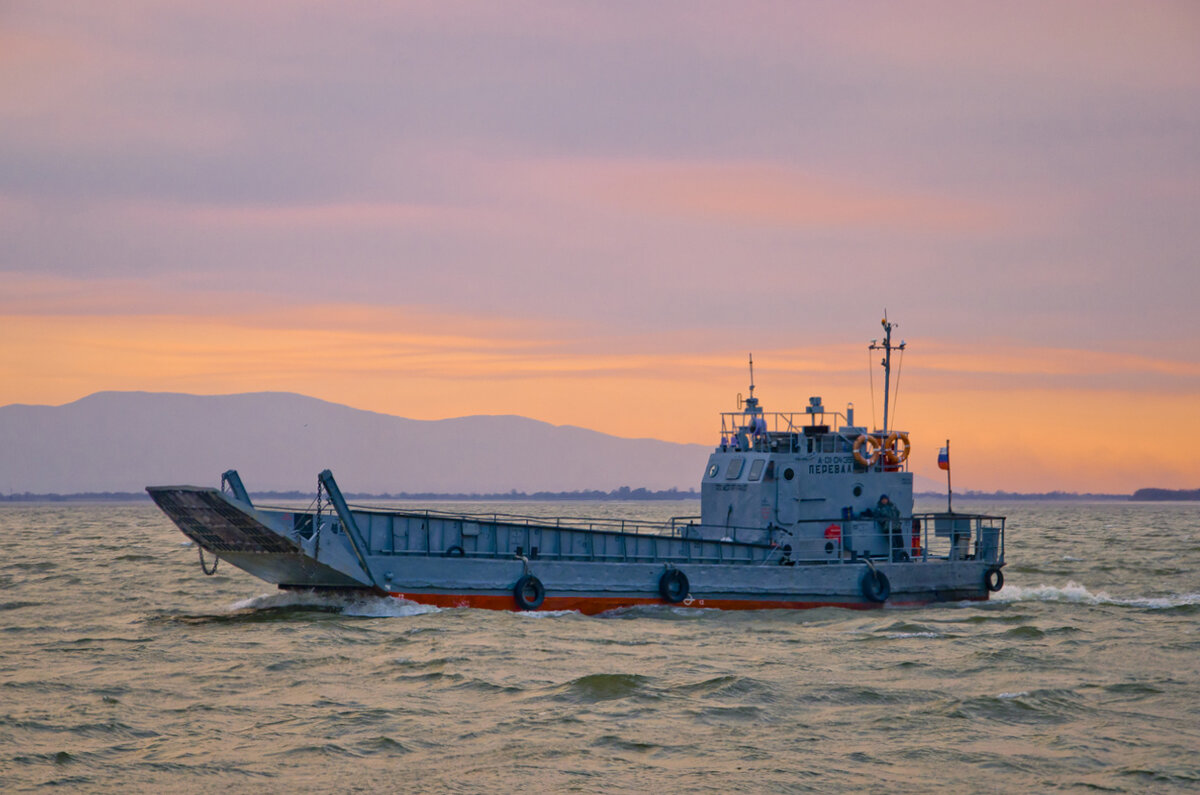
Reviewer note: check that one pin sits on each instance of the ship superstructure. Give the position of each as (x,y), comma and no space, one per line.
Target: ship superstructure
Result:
(804,479)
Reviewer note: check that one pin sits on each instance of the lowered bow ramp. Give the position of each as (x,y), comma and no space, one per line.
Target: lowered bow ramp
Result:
(235,533)
(214,522)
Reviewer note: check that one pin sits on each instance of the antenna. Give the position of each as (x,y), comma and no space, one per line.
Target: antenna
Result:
(751,406)
(887,347)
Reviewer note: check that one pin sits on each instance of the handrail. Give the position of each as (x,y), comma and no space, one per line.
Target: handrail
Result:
(606,523)
(778,421)
(933,542)
(528,520)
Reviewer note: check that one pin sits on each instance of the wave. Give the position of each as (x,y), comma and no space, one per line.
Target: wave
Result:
(546,613)
(1052,706)
(1075,593)
(603,687)
(348,605)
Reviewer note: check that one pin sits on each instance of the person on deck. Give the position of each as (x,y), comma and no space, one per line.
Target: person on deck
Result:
(887,517)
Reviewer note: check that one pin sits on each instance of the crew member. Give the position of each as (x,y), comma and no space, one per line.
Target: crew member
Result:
(887,517)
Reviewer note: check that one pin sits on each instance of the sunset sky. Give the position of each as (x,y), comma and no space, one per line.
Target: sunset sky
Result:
(589,213)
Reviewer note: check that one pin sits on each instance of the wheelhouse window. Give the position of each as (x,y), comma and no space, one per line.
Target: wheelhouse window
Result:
(735,468)
(756,468)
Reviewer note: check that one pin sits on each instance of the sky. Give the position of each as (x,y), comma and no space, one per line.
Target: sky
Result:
(589,213)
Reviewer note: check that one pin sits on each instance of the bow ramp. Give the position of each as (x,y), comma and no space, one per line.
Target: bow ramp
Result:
(216,522)
(236,532)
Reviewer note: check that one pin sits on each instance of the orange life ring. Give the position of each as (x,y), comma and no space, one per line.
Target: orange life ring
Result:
(866,441)
(894,454)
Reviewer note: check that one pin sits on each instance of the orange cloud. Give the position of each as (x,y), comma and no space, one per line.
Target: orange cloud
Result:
(1015,432)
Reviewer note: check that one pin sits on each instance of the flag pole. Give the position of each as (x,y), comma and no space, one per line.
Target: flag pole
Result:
(949,490)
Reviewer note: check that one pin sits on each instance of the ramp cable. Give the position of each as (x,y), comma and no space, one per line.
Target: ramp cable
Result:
(204,568)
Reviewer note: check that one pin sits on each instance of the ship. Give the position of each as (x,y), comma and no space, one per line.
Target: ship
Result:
(799,509)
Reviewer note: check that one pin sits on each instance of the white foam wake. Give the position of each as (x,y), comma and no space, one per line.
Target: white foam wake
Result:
(1079,594)
(347,605)
(546,613)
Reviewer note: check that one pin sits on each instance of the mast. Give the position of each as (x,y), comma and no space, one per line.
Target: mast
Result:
(887,347)
(752,402)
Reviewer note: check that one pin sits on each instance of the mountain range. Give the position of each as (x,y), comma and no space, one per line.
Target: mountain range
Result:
(279,441)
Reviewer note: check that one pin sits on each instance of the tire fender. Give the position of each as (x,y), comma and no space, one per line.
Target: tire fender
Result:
(673,586)
(529,592)
(993,579)
(875,586)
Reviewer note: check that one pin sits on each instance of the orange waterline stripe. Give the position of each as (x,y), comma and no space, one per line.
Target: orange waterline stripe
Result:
(591,605)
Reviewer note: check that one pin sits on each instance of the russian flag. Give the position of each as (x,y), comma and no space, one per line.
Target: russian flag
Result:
(944,458)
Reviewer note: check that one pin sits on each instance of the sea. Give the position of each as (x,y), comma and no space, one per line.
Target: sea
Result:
(123,668)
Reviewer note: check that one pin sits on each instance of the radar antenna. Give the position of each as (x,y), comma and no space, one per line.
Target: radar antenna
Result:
(887,347)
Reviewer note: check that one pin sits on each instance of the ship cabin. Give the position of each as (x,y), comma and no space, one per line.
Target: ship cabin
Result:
(810,483)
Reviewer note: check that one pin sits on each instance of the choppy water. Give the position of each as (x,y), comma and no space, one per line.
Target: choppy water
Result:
(122,667)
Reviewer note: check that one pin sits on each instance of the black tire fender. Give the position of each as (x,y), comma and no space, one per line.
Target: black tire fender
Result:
(875,586)
(993,579)
(673,586)
(529,592)
(455,552)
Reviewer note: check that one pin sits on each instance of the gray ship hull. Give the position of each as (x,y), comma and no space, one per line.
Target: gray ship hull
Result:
(509,563)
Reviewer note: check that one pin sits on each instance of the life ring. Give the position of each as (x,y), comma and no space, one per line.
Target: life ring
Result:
(455,552)
(993,580)
(866,441)
(893,454)
(529,592)
(673,586)
(875,586)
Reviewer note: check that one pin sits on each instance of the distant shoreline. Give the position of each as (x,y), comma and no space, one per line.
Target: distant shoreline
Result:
(624,493)
(1166,495)
(1047,496)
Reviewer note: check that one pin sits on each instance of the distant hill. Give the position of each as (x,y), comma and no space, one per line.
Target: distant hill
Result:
(278,441)
(1166,495)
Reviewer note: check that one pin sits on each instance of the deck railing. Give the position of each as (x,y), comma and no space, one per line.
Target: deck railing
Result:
(961,536)
(672,527)
(922,536)
(776,421)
